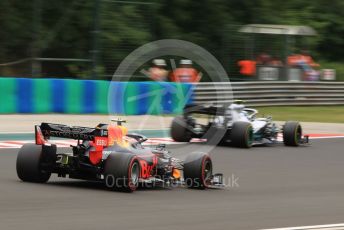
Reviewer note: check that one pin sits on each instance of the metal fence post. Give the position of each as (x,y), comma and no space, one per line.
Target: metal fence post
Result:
(36,43)
(95,39)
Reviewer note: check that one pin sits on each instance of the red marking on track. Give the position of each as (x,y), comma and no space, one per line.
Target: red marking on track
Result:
(16,142)
(160,139)
(325,135)
(198,140)
(151,141)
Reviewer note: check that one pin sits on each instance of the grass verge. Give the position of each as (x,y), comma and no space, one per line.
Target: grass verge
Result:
(330,114)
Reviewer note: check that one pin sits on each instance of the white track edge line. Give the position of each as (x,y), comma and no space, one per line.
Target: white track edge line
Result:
(328,227)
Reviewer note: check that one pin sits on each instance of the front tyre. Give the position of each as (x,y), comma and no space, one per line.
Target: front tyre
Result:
(292,133)
(122,172)
(30,163)
(198,170)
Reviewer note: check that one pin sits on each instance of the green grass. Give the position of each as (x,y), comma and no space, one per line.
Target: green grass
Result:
(332,114)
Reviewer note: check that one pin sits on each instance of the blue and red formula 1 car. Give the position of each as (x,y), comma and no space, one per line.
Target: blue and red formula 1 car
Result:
(107,153)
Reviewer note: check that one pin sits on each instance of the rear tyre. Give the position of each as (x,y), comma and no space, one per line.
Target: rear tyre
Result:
(198,170)
(292,133)
(122,172)
(242,134)
(32,163)
(179,131)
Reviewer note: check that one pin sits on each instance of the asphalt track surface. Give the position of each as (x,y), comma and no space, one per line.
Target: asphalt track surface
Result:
(277,186)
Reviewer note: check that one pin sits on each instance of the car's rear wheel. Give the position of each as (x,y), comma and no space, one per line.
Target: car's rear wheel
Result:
(34,162)
(242,134)
(122,172)
(292,133)
(198,170)
(179,130)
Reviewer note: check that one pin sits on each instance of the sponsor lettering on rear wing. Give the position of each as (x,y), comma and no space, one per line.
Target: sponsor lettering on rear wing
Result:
(44,131)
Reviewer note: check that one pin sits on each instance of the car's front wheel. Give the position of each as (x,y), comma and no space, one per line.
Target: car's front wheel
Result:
(198,170)
(292,133)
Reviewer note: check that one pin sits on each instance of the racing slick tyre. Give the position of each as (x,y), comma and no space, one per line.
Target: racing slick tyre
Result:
(34,162)
(122,172)
(292,133)
(198,170)
(242,134)
(179,131)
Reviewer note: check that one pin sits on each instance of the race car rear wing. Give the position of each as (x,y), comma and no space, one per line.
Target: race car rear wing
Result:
(46,130)
(204,109)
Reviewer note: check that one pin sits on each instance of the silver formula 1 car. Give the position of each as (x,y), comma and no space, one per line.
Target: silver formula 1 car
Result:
(233,125)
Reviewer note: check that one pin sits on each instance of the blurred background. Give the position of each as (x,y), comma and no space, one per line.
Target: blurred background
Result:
(87,39)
